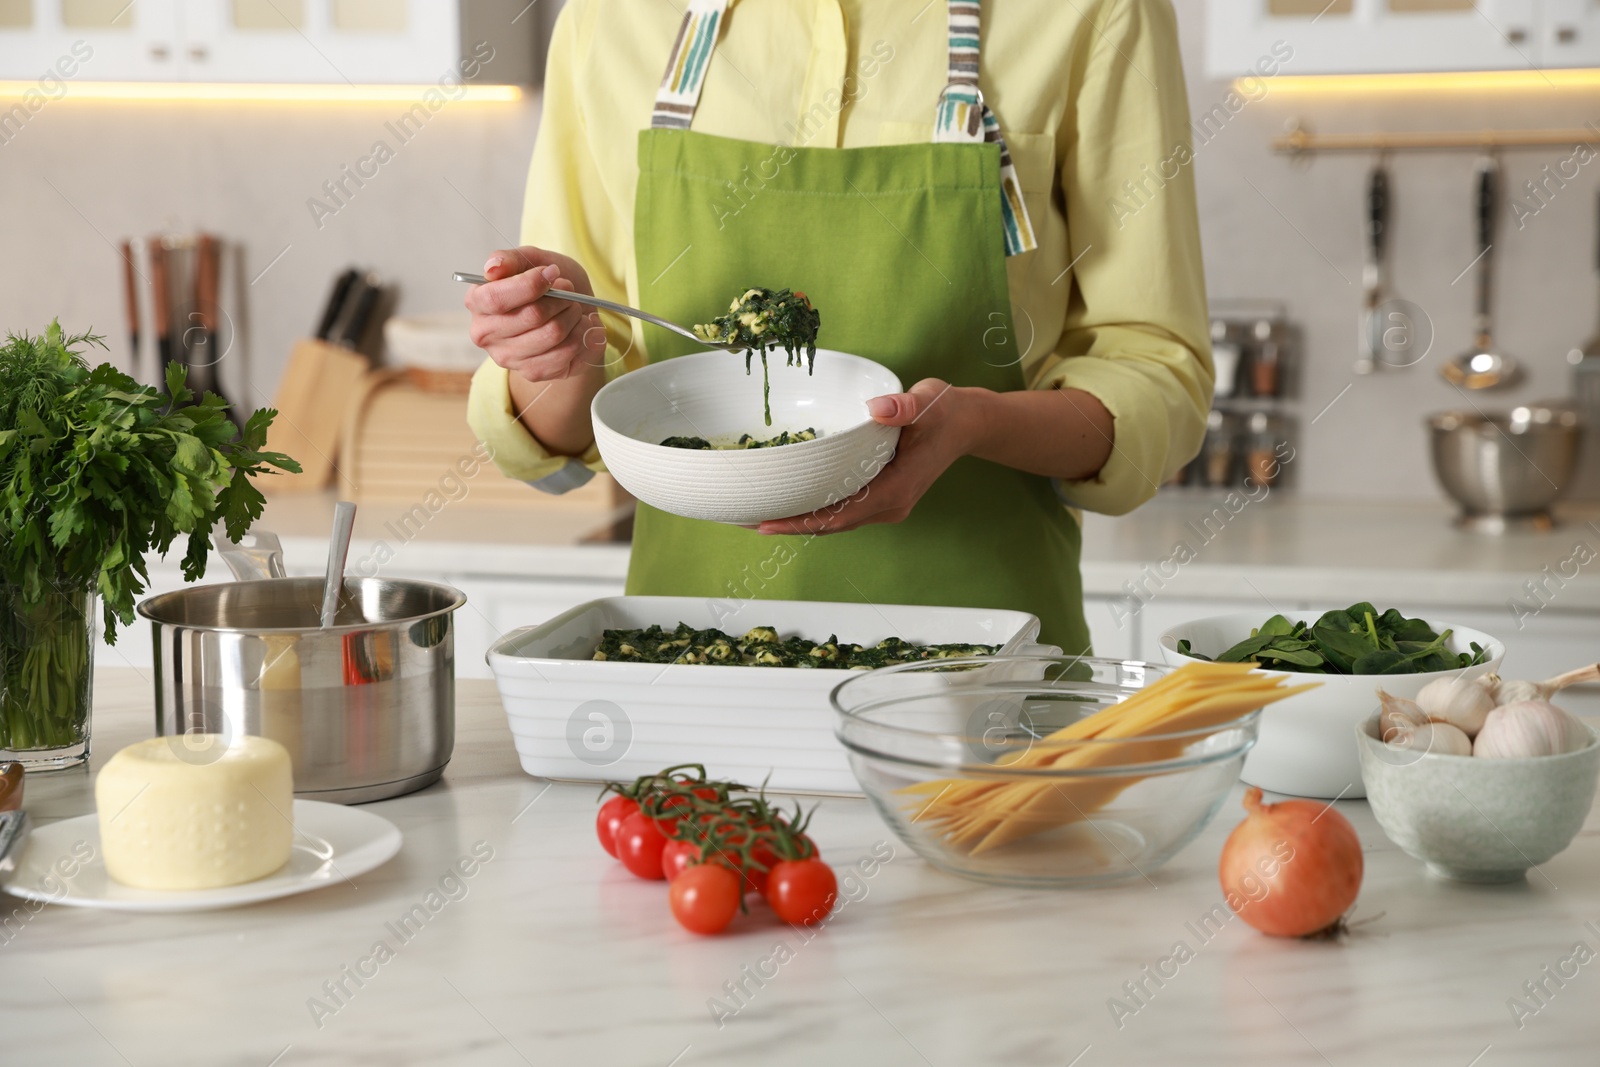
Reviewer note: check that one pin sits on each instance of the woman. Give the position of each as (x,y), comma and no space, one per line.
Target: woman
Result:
(999,217)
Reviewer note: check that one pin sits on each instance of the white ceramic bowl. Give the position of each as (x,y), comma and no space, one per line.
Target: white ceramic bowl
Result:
(1307,745)
(708,395)
(1476,819)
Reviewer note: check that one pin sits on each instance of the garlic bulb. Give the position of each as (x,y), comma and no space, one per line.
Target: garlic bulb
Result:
(1438,738)
(1462,702)
(1518,691)
(1398,716)
(1529,728)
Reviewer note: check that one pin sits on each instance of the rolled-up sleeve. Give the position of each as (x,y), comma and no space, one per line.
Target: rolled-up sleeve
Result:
(1136,334)
(566,209)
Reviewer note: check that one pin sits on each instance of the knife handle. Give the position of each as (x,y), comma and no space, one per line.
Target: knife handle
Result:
(361,316)
(1378,212)
(336,302)
(130,291)
(205,281)
(158,287)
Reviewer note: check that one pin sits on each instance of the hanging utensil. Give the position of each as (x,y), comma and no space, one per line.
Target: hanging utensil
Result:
(344,523)
(1372,271)
(1483,366)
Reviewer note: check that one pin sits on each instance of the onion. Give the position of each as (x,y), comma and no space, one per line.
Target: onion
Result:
(1291,869)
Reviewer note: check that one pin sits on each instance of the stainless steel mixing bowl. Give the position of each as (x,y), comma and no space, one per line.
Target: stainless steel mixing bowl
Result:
(1505,470)
(366,708)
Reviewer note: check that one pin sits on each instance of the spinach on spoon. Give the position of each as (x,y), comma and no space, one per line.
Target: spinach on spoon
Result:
(761,319)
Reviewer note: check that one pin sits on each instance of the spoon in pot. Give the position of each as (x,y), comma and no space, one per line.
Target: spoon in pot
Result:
(344,523)
(620,309)
(1483,366)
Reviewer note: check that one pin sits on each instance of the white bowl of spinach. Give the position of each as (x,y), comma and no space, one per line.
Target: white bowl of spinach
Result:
(1307,743)
(708,396)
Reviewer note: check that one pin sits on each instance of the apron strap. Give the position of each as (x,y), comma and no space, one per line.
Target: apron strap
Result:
(679,94)
(963,116)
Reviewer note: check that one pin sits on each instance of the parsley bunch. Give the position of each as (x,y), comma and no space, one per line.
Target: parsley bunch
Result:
(96,470)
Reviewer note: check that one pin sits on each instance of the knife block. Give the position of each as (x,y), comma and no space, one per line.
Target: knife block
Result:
(408,445)
(320,389)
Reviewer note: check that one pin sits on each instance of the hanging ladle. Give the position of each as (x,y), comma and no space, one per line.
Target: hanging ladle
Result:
(1484,366)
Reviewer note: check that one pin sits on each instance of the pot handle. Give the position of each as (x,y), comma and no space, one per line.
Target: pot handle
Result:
(254,556)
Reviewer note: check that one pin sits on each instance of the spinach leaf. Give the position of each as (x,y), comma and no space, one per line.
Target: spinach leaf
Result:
(1361,610)
(1342,647)
(1245,650)
(1277,626)
(1303,658)
(1403,629)
(1382,661)
(1337,620)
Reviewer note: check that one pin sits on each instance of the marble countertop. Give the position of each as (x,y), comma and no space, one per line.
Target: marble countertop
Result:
(552,954)
(1193,544)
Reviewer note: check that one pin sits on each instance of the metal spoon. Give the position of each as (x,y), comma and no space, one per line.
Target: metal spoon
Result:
(620,309)
(1482,366)
(344,523)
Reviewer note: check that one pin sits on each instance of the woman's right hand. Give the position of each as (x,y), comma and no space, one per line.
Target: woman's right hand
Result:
(536,337)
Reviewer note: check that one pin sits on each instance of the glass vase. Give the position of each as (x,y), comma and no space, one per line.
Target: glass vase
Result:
(46,675)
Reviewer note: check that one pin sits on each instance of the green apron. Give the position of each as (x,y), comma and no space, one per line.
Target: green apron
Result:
(901,249)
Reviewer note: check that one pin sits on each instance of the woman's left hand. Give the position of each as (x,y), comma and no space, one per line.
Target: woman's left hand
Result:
(936,431)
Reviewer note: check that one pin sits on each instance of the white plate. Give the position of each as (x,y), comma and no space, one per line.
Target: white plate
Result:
(332,843)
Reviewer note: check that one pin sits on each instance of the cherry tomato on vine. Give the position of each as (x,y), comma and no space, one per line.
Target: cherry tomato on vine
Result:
(611,814)
(678,857)
(640,844)
(705,897)
(802,891)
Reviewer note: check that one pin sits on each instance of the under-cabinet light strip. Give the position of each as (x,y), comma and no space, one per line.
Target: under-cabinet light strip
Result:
(1452,81)
(227,92)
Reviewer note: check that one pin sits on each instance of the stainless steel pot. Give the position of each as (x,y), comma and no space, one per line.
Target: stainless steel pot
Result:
(366,707)
(1505,470)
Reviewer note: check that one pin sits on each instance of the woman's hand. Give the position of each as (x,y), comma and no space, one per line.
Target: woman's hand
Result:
(553,349)
(937,429)
(536,337)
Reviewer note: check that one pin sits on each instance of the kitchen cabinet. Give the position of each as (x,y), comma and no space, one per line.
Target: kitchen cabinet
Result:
(424,42)
(1373,36)
(1570,33)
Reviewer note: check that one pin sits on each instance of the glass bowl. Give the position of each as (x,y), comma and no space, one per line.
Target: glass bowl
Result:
(955,755)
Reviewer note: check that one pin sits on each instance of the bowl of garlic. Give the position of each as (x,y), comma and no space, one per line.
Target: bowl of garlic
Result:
(1480,778)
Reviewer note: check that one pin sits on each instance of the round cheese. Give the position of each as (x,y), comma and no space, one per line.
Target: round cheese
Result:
(197,811)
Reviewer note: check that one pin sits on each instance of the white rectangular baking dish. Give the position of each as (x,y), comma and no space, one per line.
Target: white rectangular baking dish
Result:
(575,717)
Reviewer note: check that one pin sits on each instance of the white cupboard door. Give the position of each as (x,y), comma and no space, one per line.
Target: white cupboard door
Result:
(1570,31)
(102,40)
(322,41)
(1113,629)
(1371,36)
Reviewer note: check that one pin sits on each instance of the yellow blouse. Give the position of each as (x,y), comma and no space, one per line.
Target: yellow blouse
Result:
(1091,99)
